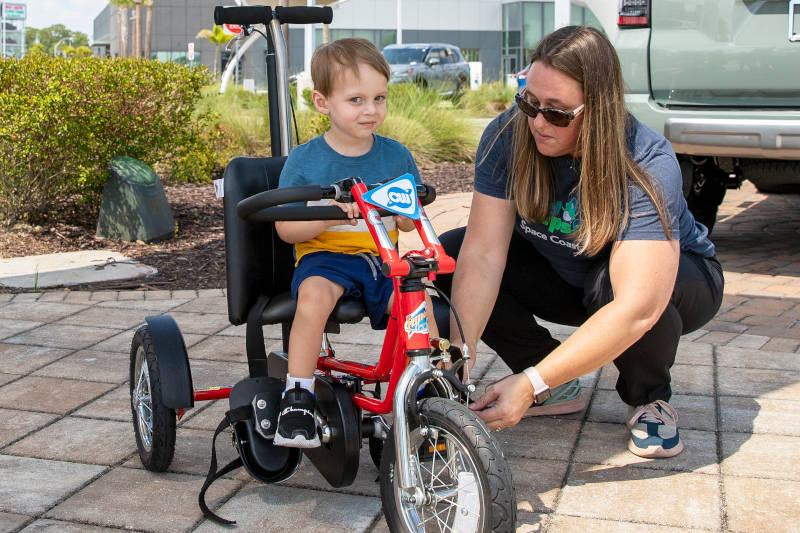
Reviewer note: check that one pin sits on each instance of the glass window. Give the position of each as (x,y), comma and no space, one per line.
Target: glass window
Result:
(402,56)
(388,37)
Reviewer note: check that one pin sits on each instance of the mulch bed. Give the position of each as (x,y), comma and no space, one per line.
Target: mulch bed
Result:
(195,258)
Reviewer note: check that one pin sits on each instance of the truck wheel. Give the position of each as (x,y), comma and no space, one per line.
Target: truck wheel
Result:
(774,176)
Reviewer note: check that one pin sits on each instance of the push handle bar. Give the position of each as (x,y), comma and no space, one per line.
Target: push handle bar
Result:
(250,15)
(242,15)
(304,15)
(262,207)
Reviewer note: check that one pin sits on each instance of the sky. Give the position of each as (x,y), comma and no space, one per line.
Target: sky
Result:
(76,15)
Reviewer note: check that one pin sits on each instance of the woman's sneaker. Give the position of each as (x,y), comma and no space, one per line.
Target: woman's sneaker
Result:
(654,431)
(564,399)
(297,426)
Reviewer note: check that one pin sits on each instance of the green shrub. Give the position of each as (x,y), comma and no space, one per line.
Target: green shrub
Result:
(62,120)
(489,99)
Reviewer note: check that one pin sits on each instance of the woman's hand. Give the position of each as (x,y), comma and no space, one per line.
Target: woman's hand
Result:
(507,401)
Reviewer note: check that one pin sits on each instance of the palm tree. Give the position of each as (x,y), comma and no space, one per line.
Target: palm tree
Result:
(137,29)
(215,37)
(122,24)
(148,27)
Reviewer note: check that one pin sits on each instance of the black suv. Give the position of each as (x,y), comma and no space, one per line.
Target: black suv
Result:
(436,65)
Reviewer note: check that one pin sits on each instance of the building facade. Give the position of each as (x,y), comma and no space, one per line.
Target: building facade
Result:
(499,33)
(12,29)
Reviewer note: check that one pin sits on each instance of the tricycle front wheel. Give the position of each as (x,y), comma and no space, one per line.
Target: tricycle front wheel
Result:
(461,470)
(153,423)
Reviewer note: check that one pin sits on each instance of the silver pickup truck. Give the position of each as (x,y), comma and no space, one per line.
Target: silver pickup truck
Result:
(721,80)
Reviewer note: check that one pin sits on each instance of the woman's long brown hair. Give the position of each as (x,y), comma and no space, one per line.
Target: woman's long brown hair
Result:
(607,167)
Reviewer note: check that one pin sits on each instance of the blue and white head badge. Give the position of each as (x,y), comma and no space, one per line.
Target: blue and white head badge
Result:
(397,196)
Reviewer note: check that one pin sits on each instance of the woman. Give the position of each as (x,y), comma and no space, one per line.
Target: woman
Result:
(578,218)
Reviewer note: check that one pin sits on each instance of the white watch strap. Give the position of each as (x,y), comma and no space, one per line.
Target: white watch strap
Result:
(536,380)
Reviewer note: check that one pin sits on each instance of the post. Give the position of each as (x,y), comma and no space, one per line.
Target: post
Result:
(308,46)
(399,22)
(562,13)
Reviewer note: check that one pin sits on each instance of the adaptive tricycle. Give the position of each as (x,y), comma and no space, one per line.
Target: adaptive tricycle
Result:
(440,467)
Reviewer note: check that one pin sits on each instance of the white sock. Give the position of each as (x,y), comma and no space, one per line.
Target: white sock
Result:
(305,383)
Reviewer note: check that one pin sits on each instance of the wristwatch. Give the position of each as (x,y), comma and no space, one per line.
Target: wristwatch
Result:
(541,392)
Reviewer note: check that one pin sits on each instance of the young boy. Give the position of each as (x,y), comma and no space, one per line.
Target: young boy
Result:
(338,257)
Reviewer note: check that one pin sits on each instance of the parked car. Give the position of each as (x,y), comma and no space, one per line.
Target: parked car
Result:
(436,65)
(721,80)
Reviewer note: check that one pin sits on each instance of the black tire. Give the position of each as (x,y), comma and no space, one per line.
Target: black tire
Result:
(376,450)
(153,423)
(772,176)
(470,450)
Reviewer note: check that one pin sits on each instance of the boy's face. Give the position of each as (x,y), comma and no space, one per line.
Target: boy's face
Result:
(356,106)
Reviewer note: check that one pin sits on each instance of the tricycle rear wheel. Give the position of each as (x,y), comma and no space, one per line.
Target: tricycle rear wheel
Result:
(153,423)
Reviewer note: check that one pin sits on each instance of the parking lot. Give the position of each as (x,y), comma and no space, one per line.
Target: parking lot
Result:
(68,456)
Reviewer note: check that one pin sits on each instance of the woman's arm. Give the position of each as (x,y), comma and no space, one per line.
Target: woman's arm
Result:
(642,277)
(480,266)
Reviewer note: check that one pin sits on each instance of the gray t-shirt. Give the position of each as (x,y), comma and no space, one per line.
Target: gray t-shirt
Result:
(551,237)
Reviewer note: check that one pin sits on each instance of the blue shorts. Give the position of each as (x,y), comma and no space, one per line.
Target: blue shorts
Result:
(359,274)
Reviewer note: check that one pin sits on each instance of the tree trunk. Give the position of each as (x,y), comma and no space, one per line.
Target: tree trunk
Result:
(137,30)
(216,56)
(148,28)
(122,19)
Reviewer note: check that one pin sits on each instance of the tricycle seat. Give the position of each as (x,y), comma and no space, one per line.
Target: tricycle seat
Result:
(281,307)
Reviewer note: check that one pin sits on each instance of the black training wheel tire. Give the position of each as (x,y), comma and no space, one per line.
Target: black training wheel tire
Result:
(462,444)
(153,423)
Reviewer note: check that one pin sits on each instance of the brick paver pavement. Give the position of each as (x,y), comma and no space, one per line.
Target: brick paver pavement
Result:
(68,460)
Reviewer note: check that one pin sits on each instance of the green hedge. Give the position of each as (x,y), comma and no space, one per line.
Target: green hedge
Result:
(62,120)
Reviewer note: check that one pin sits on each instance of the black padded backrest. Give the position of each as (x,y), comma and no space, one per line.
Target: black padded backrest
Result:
(257,261)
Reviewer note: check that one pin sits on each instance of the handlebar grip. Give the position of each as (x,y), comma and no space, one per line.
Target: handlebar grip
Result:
(323,212)
(304,15)
(426,194)
(287,195)
(242,15)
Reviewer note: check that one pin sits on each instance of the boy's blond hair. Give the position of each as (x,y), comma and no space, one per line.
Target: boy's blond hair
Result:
(330,59)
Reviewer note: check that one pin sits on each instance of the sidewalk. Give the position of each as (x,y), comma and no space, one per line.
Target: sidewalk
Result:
(68,458)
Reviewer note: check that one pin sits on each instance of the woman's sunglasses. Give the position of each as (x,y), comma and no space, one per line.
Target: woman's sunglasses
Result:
(556,117)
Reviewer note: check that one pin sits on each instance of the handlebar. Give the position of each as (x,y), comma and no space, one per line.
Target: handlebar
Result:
(304,15)
(242,15)
(251,15)
(263,207)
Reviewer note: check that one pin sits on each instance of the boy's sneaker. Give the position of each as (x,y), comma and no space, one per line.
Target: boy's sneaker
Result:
(654,431)
(297,427)
(564,399)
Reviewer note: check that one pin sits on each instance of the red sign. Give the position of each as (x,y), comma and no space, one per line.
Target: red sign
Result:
(190,52)
(232,29)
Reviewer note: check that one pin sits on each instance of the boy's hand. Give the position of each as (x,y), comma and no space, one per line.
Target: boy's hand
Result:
(403,223)
(351,208)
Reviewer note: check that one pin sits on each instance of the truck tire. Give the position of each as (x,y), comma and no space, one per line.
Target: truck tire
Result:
(773,176)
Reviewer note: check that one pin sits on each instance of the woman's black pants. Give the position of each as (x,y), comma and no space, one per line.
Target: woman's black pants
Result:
(530,287)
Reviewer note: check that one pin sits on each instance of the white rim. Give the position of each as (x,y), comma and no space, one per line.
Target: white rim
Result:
(142,400)
(450,481)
